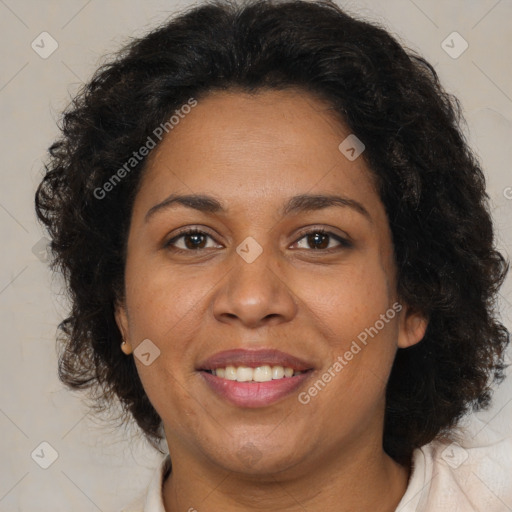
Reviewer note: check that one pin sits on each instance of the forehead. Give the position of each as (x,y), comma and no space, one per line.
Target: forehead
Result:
(256,148)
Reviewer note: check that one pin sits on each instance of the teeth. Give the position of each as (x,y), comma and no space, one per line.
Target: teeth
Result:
(264,373)
(244,374)
(230,373)
(277,372)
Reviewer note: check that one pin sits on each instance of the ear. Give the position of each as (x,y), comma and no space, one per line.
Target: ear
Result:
(412,327)
(121,316)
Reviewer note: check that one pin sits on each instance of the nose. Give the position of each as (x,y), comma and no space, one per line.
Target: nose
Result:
(255,293)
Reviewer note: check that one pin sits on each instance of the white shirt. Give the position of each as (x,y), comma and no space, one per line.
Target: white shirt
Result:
(444,478)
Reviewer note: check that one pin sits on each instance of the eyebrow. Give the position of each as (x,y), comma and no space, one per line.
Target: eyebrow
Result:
(296,204)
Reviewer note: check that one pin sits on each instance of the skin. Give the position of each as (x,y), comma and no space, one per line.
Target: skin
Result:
(252,153)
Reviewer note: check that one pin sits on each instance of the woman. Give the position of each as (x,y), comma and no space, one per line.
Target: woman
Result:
(280,260)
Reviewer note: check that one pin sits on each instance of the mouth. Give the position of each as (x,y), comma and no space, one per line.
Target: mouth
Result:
(255,378)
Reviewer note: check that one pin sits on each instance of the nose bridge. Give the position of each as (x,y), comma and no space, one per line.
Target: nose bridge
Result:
(253,269)
(254,290)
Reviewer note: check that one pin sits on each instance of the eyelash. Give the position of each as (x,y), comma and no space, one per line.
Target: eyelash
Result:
(344,244)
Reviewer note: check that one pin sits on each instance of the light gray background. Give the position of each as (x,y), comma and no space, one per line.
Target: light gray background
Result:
(96,468)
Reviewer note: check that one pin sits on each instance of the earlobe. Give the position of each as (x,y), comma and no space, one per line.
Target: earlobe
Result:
(126,348)
(121,318)
(413,326)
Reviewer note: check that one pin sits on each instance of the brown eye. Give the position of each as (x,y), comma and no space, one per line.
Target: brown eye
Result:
(319,239)
(193,240)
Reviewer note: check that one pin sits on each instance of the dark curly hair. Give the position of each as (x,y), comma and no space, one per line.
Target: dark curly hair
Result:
(428,179)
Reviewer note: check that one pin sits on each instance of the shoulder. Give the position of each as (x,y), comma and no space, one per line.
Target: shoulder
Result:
(152,501)
(447,476)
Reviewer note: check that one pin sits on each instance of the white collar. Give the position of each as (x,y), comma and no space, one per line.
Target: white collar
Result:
(154,498)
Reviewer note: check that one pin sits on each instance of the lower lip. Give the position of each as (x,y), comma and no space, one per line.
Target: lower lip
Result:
(254,394)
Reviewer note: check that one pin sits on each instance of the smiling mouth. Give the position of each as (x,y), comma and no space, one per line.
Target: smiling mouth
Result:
(254,378)
(240,386)
(264,373)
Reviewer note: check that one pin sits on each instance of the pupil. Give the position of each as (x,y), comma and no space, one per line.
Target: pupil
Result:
(313,240)
(195,238)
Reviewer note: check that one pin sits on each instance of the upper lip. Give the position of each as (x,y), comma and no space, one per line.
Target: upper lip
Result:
(253,359)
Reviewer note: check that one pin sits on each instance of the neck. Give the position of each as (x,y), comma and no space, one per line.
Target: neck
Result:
(355,481)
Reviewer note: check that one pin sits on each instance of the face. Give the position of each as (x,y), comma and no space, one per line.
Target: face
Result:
(272,278)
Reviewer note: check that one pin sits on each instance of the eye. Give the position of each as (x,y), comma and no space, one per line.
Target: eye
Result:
(320,240)
(194,239)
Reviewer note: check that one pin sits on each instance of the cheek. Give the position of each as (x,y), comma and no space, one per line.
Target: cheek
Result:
(356,316)
(168,392)
(164,309)
(162,303)
(347,302)
(349,391)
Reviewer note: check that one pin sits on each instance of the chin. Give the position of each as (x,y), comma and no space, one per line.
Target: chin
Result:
(257,459)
